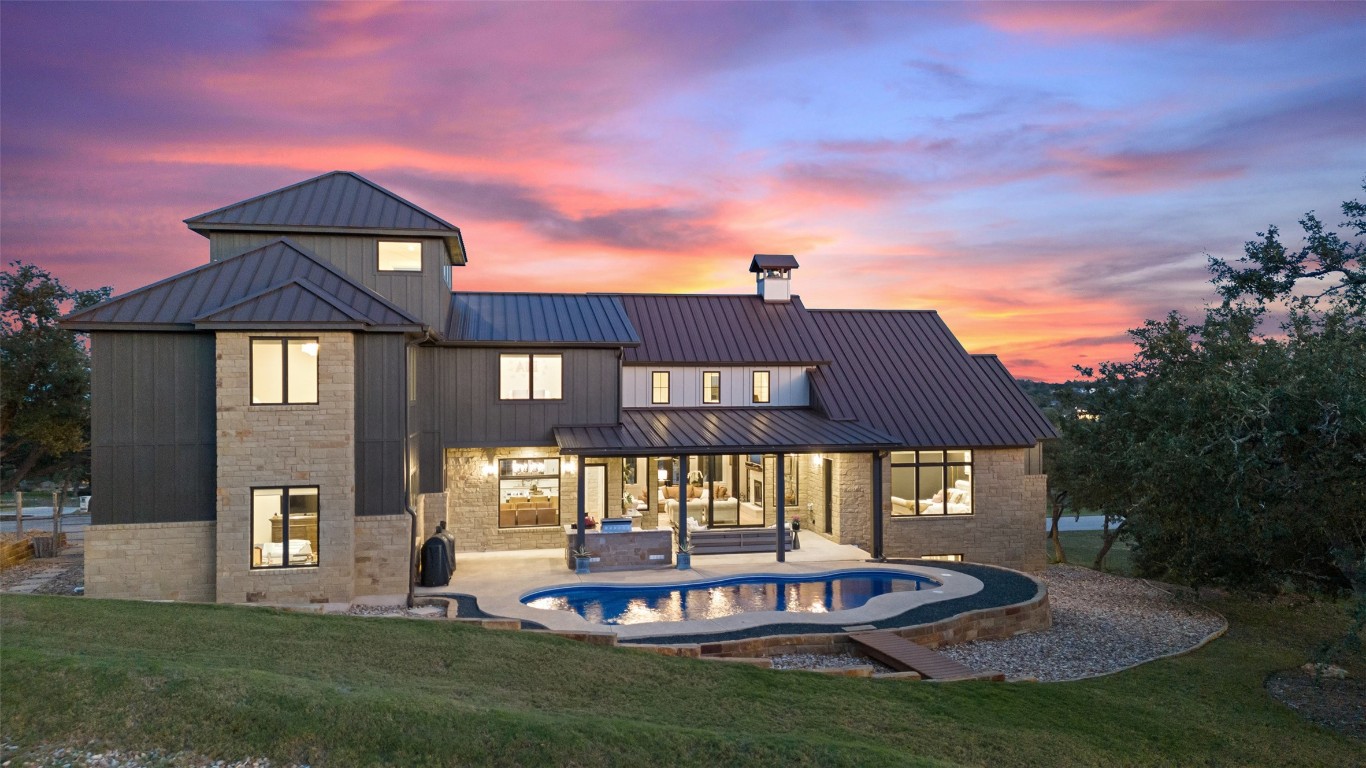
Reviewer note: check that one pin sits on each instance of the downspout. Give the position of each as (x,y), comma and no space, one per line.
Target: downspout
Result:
(407,466)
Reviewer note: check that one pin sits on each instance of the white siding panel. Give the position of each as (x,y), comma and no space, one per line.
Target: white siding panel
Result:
(787,384)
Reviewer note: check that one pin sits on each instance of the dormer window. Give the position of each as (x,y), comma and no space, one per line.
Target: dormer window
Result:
(400,256)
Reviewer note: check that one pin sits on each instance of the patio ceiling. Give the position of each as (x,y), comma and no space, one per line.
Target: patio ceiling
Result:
(672,431)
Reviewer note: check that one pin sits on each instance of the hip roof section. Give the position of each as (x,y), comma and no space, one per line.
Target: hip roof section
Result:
(277,284)
(539,318)
(904,373)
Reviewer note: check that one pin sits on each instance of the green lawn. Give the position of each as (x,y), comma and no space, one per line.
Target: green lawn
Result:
(1082,546)
(232,682)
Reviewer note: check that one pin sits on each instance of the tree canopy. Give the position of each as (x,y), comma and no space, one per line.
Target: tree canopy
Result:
(45,411)
(1233,446)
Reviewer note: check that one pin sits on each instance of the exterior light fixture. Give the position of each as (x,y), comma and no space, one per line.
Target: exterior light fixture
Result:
(489,469)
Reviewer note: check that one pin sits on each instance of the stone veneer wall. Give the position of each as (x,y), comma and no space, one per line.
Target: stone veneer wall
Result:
(382,554)
(472,499)
(151,561)
(286,445)
(1006,527)
(853,500)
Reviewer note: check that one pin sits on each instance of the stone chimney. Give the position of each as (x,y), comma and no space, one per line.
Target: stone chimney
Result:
(773,276)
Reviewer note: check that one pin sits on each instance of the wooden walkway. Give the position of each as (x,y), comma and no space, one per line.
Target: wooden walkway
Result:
(905,656)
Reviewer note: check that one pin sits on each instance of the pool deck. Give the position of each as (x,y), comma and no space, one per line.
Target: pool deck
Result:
(499,579)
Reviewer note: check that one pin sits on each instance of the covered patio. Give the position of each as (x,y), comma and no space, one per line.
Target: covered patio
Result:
(691,439)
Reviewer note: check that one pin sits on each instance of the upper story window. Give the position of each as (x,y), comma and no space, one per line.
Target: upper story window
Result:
(400,256)
(760,387)
(284,371)
(711,386)
(659,387)
(530,377)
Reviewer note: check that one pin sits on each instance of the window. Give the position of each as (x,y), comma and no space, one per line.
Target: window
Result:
(530,377)
(659,387)
(931,483)
(528,492)
(284,371)
(761,386)
(400,256)
(284,527)
(711,386)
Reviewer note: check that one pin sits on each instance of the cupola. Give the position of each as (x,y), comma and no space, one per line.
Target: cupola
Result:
(773,276)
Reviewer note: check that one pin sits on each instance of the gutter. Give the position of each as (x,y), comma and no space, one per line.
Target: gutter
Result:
(407,466)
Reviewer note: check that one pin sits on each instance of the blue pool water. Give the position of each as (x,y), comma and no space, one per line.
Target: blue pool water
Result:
(639,604)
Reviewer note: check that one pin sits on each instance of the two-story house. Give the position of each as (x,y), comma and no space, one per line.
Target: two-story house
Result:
(282,423)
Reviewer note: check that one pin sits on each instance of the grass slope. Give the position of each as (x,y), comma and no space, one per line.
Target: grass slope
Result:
(233,681)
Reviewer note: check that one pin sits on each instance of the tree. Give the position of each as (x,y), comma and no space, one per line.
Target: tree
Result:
(1233,449)
(45,412)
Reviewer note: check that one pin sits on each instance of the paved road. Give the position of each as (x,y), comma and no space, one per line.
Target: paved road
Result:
(1084,523)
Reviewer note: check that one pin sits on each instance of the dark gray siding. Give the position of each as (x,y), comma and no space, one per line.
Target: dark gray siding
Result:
(458,397)
(424,294)
(380,400)
(152,427)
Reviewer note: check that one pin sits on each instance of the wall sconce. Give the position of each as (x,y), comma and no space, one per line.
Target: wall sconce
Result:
(489,469)
(571,466)
(816,459)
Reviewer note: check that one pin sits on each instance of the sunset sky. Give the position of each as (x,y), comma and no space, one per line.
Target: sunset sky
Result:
(1046,176)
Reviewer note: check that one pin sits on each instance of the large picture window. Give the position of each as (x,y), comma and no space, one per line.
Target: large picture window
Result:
(284,371)
(528,492)
(931,483)
(659,387)
(284,527)
(711,387)
(530,377)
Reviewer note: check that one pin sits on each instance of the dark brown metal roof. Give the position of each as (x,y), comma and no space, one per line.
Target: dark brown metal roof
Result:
(651,431)
(256,287)
(695,329)
(904,373)
(763,261)
(540,318)
(336,201)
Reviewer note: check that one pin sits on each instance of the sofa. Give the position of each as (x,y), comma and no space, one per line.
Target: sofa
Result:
(726,509)
(959,502)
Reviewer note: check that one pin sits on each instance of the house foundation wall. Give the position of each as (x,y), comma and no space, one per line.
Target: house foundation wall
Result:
(286,445)
(151,561)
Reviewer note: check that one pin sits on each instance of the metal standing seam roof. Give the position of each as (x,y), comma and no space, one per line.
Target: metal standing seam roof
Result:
(539,318)
(904,373)
(339,200)
(695,329)
(763,261)
(650,431)
(278,282)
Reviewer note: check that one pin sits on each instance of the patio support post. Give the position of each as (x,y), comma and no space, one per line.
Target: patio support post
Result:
(782,509)
(877,506)
(682,502)
(581,541)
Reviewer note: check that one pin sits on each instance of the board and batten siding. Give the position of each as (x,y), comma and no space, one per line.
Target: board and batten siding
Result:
(380,402)
(152,428)
(426,294)
(787,386)
(458,395)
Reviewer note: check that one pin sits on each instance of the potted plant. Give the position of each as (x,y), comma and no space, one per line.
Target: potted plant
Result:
(582,557)
(684,556)
(628,502)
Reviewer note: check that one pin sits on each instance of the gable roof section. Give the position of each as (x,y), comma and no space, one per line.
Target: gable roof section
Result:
(250,289)
(904,373)
(539,318)
(697,329)
(339,201)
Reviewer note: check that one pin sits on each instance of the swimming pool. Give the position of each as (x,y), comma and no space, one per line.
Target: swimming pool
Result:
(715,598)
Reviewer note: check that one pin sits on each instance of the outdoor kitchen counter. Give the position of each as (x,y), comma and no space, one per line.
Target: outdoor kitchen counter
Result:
(632,550)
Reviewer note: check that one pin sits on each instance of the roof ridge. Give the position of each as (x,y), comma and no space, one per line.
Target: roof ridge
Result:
(303,283)
(302,251)
(256,198)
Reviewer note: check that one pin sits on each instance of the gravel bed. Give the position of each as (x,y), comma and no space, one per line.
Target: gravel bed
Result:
(1101,624)
(421,612)
(826,661)
(92,756)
